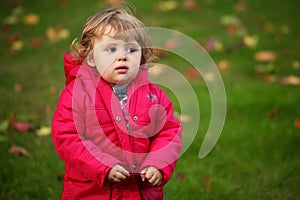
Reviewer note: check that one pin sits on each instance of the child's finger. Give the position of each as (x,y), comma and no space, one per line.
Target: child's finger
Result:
(143,173)
(157,182)
(122,170)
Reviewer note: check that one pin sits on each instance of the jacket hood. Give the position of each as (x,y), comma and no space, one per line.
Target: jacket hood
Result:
(71,67)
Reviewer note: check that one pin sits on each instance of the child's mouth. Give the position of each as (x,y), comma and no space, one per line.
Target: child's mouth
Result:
(122,69)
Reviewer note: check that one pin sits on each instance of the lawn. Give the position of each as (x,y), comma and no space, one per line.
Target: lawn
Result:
(255,45)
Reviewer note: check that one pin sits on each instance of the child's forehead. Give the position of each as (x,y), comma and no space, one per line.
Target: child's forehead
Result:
(109,34)
(110,40)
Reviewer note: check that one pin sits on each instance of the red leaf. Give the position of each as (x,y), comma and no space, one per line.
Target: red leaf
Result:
(297,123)
(35,43)
(180,176)
(20,126)
(19,151)
(12,39)
(192,73)
(189,4)
(273,112)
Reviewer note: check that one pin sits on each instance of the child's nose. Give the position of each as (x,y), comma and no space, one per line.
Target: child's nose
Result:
(122,57)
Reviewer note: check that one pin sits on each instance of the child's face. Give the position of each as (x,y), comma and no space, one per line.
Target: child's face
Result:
(117,61)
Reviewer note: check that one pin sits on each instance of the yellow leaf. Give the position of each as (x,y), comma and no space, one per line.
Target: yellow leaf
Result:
(291,80)
(167,5)
(17,45)
(43,131)
(57,33)
(250,41)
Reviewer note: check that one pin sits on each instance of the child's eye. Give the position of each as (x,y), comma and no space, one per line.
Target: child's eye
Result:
(111,49)
(132,49)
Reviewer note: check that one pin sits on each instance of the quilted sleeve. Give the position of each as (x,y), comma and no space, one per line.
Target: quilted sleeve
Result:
(69,145)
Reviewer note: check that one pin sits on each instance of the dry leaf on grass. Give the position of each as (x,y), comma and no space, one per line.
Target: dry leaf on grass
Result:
(31,19)
(290,80)
(19,151)
(265,56)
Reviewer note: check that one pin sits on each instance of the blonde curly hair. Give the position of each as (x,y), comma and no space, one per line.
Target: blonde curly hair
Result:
(123,25)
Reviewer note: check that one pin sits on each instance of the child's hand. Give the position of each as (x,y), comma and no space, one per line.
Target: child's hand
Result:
(117,174)
(153,175)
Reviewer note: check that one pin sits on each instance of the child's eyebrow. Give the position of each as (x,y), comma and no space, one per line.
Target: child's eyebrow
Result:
(110,44)
(132,43)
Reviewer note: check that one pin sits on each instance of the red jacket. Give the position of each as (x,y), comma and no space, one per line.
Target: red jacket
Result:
(91,134)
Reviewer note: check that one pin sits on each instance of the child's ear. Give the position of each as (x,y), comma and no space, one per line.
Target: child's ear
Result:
(90,59)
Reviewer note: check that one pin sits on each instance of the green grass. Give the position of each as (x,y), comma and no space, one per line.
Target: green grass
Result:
(257,155)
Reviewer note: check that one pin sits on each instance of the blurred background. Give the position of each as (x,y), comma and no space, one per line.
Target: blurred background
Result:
(255,45)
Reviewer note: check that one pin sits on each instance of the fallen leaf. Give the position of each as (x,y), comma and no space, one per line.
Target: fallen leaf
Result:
(43,131)
(17,45)
(273,112)
(296,64)
(297,123)
(265,56)
(268,68)
(20,126)
(31,19)
(156,70)
(192,73)
(241,6)
(17,10)
(181,176)
(268,78)
(250,41)
(268,27)
(207,183)
(190,4)
(172,43)
(52,89)
(4,125)
(167,5)
(12,39)
(36,43)
(14,17)
(57,33)
(285,29)
(17,87)
(290,80)
(223,64)
(19,151)
(185,118)
(226,20)
(213,43)
(11,20)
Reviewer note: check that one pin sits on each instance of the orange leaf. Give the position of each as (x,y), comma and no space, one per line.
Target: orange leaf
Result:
(297,123)
(265,56)
(31,19)
(223,64)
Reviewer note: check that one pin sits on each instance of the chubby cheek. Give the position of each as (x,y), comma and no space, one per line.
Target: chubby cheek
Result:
(103,64)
